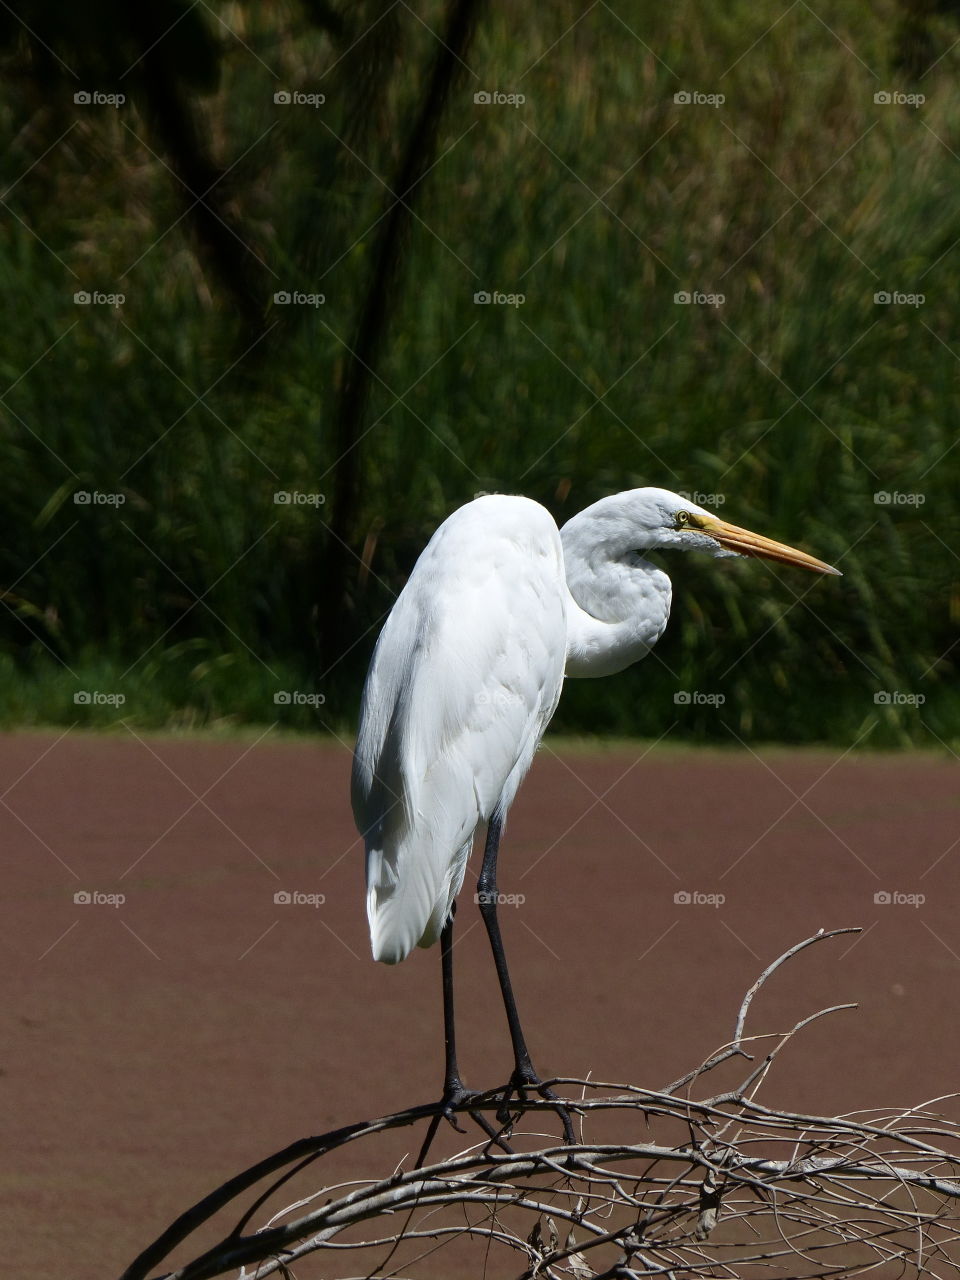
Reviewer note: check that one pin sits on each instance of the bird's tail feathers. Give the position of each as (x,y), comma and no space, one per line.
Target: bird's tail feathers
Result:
(410,891)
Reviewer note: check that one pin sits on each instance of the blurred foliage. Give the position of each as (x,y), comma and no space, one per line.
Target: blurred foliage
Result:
(598,199)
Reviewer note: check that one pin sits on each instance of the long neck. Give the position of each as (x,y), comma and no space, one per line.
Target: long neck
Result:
(618,606)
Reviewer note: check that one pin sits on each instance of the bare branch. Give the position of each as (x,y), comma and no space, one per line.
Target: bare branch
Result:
(748,1190)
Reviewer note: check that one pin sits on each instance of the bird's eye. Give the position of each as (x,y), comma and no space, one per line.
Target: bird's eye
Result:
(683,517)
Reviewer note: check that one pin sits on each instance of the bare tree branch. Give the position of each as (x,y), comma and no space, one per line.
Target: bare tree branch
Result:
(746,1190)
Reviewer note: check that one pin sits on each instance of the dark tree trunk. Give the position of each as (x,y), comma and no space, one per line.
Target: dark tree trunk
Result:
(335,555)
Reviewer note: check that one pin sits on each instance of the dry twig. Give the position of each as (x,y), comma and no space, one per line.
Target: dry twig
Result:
(686,1187)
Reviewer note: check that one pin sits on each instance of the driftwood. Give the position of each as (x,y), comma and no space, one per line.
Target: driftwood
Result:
(671,1185)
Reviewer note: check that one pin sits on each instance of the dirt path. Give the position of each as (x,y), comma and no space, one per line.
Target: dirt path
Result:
(153,1048)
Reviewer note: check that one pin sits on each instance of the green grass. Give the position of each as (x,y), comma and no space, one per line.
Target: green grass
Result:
(598,382)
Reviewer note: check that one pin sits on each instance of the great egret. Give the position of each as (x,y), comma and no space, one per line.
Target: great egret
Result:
(463,682)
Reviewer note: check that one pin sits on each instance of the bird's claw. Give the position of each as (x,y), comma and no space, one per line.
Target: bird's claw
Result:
(521,1082)
(455,1096)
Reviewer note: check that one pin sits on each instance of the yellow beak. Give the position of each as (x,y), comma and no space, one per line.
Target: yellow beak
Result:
(745,543)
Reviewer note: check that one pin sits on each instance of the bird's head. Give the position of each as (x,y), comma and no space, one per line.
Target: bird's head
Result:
(656,519)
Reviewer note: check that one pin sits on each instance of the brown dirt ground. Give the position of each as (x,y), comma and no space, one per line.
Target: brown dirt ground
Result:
(153,1049)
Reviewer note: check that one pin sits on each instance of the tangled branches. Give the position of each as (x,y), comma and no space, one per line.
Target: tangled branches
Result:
(657,1183)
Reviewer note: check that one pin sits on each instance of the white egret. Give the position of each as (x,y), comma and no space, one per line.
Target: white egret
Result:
(463,682)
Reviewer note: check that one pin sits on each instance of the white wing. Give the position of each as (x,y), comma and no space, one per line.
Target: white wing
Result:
(464,679)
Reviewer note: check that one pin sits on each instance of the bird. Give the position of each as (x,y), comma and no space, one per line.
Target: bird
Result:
(466,675)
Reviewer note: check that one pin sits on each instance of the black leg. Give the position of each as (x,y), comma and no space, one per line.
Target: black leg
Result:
(454,1091)
(523,1074)
(452,1084)
(487,893)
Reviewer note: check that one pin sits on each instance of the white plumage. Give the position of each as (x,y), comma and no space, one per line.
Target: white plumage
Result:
(468,669)
(463,682)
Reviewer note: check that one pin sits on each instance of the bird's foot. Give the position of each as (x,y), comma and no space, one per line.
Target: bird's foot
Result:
(455,1094)
(523,1080)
